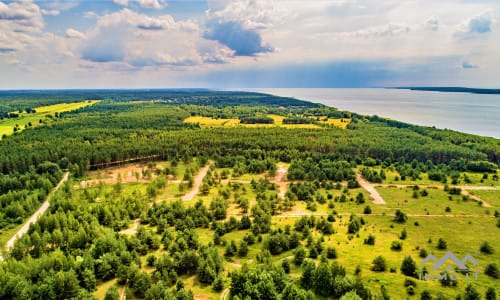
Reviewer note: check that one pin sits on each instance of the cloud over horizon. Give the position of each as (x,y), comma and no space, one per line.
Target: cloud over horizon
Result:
(163,43)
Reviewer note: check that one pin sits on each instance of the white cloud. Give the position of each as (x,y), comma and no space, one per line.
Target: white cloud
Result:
(253,14)
(51,12)
(121,2)
(140,41)
(20,23)
(72,33)
(90,15)
(156,4)
(478,24)
(432,23)
(390,29)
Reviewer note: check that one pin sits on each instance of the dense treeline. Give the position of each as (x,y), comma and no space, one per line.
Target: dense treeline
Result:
(22,194)
(21,100)
(91,146)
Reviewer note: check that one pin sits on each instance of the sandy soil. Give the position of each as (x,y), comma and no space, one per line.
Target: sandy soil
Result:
(374,195)
(198,179)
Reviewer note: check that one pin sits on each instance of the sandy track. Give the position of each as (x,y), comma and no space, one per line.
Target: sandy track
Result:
(34,217)
(374,195)
(280,179)
(197,183)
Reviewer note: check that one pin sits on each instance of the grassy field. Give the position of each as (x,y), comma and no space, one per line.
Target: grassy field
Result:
(476,179)
(213,122)
(41,114)
(428,221)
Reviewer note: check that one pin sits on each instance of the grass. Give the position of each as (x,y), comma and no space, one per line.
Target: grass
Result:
(214,122)
(435,203)
(476,179)
(42,113)
(341,123)
(490,196)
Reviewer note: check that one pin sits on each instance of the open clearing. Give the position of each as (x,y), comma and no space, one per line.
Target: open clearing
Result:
(278,122)
(41,114)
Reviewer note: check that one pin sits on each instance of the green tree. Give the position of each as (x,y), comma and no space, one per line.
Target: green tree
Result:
(471,293)
(379,264)
(491,294)
(307,277)
(112,293)
(322,280)
(299,255)
(408,266)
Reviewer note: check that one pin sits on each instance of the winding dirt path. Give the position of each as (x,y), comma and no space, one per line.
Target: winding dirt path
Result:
(374,195)
(198,179)
(34,217)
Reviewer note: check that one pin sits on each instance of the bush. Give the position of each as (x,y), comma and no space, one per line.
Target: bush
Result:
(492,270)
(423,253)
(400,217)
(425,295)
(404,234)
(486,248)
(408,266)
(367,210)
(397,246)
(442,245)
(379,264)
(410,282)
(491,294)
(331,253)
(370,240)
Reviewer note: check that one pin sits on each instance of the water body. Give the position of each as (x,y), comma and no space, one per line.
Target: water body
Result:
(471,113)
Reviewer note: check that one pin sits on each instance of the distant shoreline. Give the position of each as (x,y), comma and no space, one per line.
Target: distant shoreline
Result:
(451,89)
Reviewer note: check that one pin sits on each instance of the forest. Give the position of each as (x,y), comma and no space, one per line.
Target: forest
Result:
(241,236)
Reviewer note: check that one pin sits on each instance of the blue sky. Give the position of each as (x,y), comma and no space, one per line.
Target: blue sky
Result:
(248,43)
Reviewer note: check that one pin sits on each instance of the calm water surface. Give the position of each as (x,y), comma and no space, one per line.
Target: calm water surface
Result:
(471,113)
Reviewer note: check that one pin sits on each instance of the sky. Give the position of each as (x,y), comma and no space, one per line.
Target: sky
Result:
(249,43)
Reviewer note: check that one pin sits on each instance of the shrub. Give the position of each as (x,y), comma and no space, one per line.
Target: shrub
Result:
(400,217)
(396,246)
(408,266)
(370,240)
(331,253)
(486,248)
(492,270)
(442,245)
(423,253)
(379,264)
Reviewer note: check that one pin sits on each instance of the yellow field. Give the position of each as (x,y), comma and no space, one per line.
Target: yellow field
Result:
(213,122)
(341,123)
(42,112)
(207,121)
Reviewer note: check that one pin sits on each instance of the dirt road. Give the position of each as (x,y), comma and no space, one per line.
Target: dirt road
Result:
(10,243)
(374,195)
(197,183)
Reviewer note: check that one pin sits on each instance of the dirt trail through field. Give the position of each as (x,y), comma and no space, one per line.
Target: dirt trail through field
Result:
(10,243)
(197,183)
(374,195)
(280,179)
